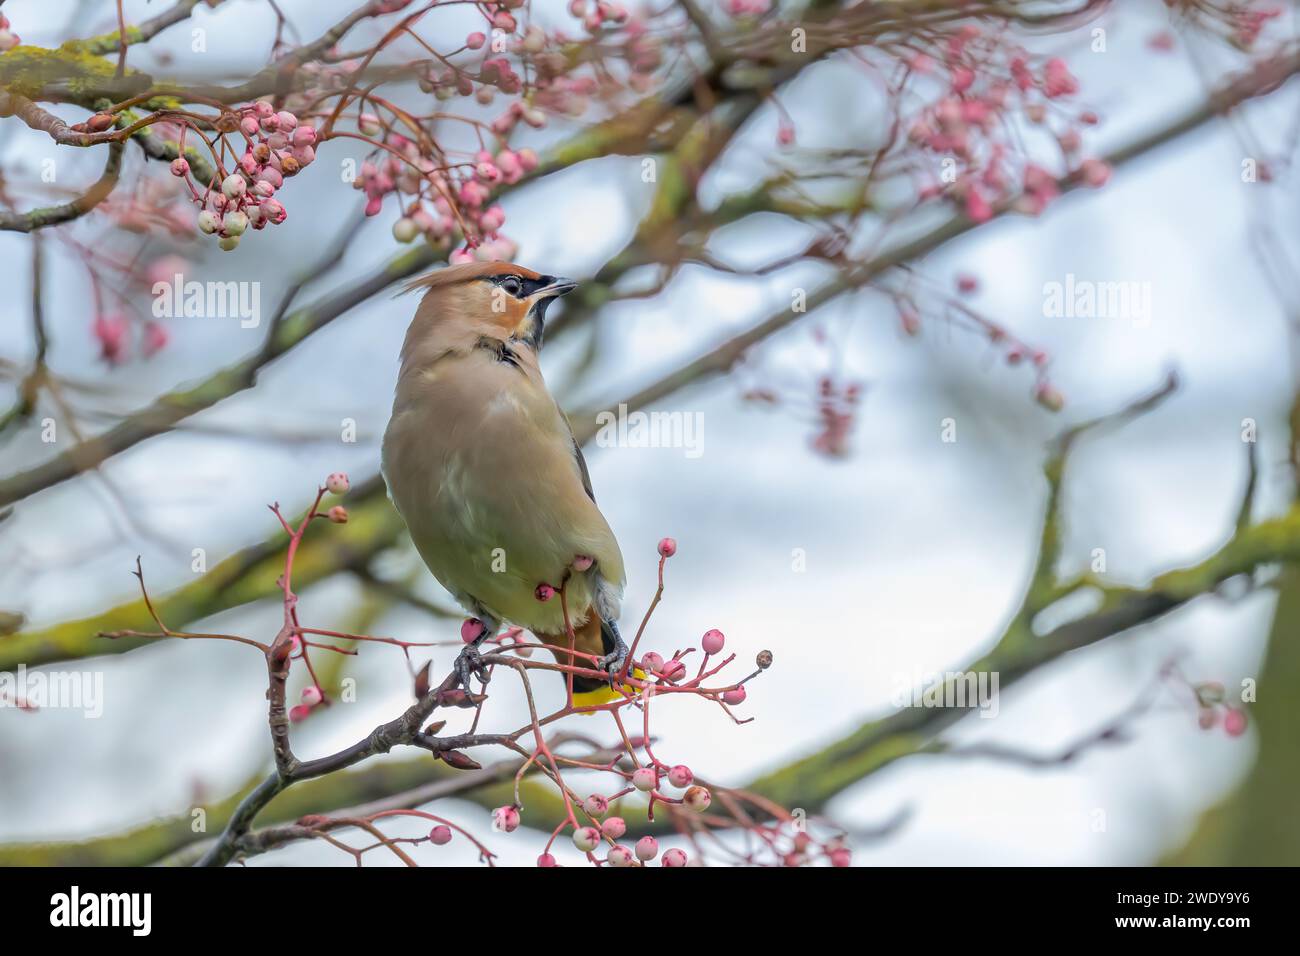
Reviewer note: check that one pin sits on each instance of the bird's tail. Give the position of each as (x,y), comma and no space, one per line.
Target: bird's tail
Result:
(594,637)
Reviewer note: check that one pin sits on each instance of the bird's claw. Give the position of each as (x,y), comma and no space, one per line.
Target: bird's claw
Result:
(613,662)
(470,661)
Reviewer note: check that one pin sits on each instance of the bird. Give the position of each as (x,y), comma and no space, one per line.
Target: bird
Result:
(483,467)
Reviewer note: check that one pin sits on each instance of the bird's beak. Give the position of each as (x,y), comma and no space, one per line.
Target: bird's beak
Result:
(556,288)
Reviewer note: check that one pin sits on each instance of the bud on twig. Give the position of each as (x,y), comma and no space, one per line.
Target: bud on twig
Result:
(454,758)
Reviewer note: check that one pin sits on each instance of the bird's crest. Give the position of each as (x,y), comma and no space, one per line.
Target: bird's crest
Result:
(466,271)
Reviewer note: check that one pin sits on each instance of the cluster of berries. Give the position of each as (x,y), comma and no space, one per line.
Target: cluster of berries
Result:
(459,207)
(278,147)
(968,126)
(114,337)
(1212,710)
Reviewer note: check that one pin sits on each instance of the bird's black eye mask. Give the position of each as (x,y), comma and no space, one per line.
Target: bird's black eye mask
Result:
(518,286)
(521,288)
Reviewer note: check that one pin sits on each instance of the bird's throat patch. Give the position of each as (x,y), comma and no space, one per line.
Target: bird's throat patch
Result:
(499,349)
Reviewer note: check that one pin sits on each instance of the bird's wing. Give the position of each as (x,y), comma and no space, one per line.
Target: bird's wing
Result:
(582,461)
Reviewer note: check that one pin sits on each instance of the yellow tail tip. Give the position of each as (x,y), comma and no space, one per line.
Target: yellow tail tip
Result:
(603,695)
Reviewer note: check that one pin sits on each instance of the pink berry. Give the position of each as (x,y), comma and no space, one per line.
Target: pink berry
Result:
(614,827)
(509,164)
(271,175)
(582,562)
(470,629)
(299,712)
(1049,396)
(272,210)
(180,166)
(619,856)
(667,547)
(680,776)
(596,805)
(653,661)
(673,857)
(546,860)
(645,779)
(337,483)
(505,818)
(673,670)
(712,641)
(544,592)
(734,697)
(698,799)
(155,339)
(841,857)
(338,514)
(1234,722)
(586,839)
(1094,173)
(647,848)
(475,41)
(311,695)
(977,207)
(440,835)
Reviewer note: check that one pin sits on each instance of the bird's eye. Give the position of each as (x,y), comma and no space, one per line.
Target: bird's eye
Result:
(512,285)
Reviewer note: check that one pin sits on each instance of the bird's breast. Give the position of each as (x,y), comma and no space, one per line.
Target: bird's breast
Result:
(479,463)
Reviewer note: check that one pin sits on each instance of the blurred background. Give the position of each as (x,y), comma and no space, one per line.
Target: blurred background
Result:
(865,551)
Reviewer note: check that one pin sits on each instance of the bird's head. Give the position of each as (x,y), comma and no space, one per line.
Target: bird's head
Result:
(497,299)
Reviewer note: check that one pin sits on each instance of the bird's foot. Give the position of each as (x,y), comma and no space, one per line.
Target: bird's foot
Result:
(613,662)
(470,661)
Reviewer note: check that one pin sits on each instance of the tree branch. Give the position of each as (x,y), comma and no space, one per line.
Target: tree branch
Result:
(53,215)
